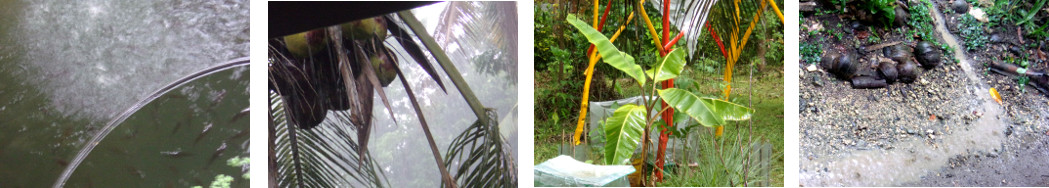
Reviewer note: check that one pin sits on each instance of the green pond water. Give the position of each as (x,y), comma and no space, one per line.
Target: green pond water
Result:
(67,68)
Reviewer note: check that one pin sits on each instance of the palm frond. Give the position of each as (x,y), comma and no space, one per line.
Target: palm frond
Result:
(324,156)
(405,39)
(480,156)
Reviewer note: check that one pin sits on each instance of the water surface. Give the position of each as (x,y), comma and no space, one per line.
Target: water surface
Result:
(66,68)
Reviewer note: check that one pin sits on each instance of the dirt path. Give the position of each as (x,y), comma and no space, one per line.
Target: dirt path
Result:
(944,130)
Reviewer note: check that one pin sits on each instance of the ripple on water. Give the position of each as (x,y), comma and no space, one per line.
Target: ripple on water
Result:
(97,57)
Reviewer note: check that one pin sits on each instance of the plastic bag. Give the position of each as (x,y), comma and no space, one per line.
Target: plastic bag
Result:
(564,171)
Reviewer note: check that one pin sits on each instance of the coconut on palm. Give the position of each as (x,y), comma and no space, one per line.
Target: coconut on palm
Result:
(305,44)
(384,69)
(374,27)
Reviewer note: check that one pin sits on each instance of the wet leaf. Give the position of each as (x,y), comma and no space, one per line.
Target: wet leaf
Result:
(708,112)
(669,67)
(623,132)
(610,54)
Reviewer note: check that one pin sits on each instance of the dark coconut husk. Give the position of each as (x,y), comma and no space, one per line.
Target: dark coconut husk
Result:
(928,54)
(908,71)
(843,65)
(887,70)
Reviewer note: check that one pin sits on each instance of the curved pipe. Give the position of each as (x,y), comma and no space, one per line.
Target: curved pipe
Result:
(90,145)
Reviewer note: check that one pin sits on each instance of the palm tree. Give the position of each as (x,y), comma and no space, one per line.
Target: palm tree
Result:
(323,154)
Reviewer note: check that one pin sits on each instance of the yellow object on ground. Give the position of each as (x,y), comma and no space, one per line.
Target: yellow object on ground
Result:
(997,98)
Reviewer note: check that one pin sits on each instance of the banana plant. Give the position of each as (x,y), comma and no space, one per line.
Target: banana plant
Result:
(630,123)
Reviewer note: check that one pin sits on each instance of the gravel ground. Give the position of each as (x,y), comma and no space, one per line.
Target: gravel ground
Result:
(942,122)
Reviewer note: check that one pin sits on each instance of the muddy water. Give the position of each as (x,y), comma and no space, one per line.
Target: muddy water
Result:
(909,161)
(68,67)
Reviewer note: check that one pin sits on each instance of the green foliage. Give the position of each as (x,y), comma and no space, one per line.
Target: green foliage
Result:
(886,9)
(1025,20)
(921,21)
(610,54)
(543,45)
(669,68)
(708,112)
(810,52)
(721,164)
(706,65)
(840,4)
(1039,34)
(972,33)
(873,38)
(238,161)
(998,13)
(221,181)
(623,132)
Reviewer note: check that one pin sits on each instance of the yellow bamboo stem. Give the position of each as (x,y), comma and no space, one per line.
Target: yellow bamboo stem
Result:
(651,29)
(586,84)
(776,8)
(596,10)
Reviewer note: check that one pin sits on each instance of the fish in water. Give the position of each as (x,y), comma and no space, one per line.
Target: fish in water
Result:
(218,99)
(241,114)
(176,153)
(202,133)
(177,125)
(218,152)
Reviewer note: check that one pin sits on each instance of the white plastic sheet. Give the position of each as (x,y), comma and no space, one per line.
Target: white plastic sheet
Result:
(564,171)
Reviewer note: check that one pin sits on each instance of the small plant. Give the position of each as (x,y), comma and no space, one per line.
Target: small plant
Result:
(921,22)
(1021,80)
(972,33)
(874,38)
(886,9)
(810,52)
(1025,20)
(840,4)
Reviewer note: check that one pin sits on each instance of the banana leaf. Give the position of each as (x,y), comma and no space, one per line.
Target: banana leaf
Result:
(669,67)
(708,112)
(623,132)
(610,54)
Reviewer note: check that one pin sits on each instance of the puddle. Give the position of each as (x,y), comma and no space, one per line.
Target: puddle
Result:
(909,161)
